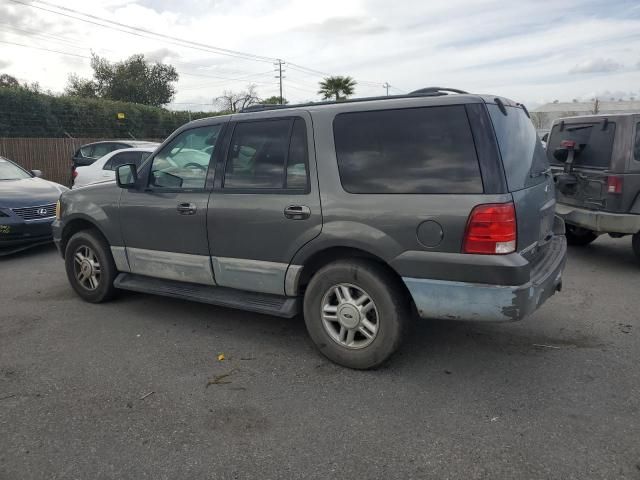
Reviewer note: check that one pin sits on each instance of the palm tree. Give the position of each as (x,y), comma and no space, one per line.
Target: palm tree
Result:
(333,87)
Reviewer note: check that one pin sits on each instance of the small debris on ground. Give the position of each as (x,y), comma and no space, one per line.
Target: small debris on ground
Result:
(220,357)
(540,345)
(146,395)
(8,396)
(448,372)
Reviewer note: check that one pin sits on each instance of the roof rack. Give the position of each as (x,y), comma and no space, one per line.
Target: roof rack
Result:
(423,92)
(442,90)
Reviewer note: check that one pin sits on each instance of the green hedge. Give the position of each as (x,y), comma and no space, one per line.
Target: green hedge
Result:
(24,113)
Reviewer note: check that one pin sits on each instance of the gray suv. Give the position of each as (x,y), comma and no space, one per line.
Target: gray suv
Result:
(596,163)
(357,214)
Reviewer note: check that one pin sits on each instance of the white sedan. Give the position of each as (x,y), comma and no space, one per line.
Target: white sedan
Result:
(103,169)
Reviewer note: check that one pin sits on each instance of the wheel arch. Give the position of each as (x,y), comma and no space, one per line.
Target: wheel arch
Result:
(76,225)
(325,256)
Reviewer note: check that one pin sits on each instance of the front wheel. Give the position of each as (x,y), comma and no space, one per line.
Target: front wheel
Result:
(90,266)
(579,236)
(356,313)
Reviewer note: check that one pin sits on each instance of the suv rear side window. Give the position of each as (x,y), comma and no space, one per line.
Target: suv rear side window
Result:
(596,144)
(416,150)
(523,155)
(268,154)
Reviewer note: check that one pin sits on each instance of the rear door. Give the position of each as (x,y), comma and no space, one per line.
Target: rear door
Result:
(591,164)
(265,204)
(528,176)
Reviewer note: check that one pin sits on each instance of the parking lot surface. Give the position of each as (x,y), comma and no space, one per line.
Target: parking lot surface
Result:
(134,388)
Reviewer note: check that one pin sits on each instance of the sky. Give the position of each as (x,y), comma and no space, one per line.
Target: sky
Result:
(531,51)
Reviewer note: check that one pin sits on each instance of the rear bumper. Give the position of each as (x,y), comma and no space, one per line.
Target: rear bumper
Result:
(601,222)
(450,300)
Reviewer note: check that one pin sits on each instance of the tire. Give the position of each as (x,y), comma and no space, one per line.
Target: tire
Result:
(86,250)
(635,243)
(579,236)
(390,313)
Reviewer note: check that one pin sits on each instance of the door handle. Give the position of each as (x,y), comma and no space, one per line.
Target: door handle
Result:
(297,212)
(186,208)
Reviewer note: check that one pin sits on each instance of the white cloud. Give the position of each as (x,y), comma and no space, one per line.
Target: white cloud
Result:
(518,49)
(596,65)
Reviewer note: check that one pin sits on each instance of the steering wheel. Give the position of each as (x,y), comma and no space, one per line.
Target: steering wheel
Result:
(195,165)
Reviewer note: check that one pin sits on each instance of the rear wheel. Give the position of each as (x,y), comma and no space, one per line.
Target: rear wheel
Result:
(635,242)
(356,313)
(579,236)
(90,266)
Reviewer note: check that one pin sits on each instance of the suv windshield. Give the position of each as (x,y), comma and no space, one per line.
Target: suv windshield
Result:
(522,153)
(9,171)
(595,143)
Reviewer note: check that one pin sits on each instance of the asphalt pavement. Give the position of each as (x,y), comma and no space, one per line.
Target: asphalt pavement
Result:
(135,389)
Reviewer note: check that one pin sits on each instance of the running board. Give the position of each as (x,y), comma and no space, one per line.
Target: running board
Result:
(265,303)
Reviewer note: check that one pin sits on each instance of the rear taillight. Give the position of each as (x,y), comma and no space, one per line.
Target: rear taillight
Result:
(614,184)
(491,230)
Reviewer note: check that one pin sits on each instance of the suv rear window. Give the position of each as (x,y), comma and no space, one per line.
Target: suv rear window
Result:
(416,150)
(522,152)
(596,144)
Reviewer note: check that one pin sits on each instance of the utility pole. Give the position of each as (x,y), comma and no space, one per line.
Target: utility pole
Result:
(387,86)
(278,65)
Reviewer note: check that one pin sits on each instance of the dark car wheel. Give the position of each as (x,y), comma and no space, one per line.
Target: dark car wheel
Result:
(356,313)
(90,266)
(579,236)
(635,243)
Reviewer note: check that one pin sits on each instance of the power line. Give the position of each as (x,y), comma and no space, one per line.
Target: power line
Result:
(45,49)
(141,32)
(144,33)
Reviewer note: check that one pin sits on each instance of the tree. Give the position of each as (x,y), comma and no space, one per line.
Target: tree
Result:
(233,102)
(81,87)
(8,81)
(133,80)
(333,87)
(274,100)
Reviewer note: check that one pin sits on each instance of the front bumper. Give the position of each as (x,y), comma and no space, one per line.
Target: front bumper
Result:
(450,300)
(17,234)
(598,221)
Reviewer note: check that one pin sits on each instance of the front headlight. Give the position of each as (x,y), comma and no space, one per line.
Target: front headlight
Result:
(2,214)
(58,210)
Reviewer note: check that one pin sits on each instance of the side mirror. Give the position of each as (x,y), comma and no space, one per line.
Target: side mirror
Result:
(126,175)
(36,173)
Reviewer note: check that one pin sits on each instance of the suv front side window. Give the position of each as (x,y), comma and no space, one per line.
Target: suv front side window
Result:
(184,162)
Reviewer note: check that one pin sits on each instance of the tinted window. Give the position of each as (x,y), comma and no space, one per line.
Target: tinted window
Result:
(297,160)
(418,150)
(85,151)
(122,159)
(184,162)
(636,145)
(101,149)
(523,155)
(257,154)
(596,144)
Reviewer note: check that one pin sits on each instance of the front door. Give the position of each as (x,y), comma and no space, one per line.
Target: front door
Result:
(164,220)
(265,204)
